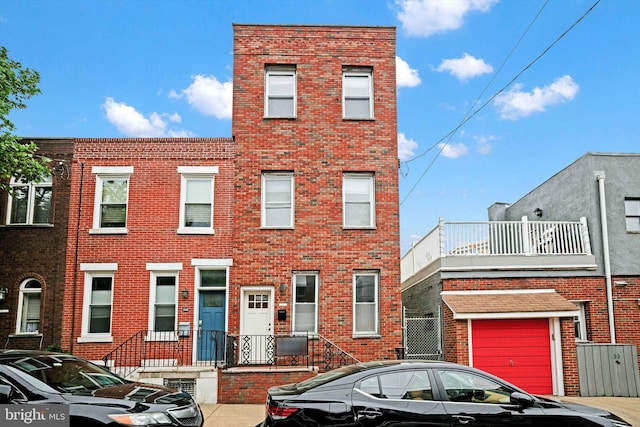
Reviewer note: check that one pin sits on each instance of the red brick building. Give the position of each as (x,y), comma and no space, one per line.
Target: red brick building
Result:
(149,242)
(32,249)
(316,211)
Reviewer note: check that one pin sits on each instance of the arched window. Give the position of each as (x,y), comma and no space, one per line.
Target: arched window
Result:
(29,307)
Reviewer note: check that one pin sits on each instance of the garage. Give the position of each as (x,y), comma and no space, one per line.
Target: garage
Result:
(511,334)
(517,350)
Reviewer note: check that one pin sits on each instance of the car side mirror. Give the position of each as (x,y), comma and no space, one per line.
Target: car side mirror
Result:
(521,399)
(5,394)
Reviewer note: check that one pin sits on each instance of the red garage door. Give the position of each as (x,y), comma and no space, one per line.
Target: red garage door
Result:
(517,350)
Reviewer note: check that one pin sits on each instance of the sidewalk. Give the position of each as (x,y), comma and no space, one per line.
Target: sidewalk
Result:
(216,415)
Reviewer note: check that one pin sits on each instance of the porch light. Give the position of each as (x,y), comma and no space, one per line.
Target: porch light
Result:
(538,212)
(185,293)
(3,294)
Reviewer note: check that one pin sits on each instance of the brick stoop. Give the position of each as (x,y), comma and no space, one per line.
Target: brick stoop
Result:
(249,385)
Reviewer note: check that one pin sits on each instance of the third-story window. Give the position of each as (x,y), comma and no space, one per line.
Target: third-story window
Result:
(358,200)
(305,304)
(365,299)
(196,199)
(280,91)
(357,93)
(632,214)
(277,200)
(29,202)
(111,199)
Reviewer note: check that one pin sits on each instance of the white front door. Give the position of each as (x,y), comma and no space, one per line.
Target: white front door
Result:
(256,344)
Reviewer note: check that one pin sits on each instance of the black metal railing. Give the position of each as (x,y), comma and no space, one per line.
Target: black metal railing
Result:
(154,349)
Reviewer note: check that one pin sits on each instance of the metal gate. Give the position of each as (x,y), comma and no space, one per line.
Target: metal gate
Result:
(422,337)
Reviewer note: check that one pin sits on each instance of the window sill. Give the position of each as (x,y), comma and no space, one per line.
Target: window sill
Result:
(368,227)
(108,231)
(25,335)
(279,118)
(195,230)
(359,119)
(96,338)
(277,228)
(365,335)
(28,225)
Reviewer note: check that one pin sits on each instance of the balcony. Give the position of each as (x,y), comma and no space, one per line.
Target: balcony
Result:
(500,245)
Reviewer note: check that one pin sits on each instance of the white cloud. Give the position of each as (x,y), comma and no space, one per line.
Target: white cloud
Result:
(453,151)
(405,75)
(516,104)
(484,143)
(132,123)
(423,18)
(406,147)
(466,67)
(208,96)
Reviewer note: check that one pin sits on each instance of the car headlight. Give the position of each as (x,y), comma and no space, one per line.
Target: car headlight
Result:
(141,419)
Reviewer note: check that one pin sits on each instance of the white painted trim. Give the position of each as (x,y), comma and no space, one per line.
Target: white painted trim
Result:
(115,170)
(90,266)
(162,266)
(499,292)
(470,342)
(557,367)
(198,170)
(517,315)
(212,262)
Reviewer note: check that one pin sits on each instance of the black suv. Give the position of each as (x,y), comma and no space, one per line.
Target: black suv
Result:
(96,397)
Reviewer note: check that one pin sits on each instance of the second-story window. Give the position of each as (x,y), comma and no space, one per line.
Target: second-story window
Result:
(29,202)
(196,199)
(358,200)
(277,200)
(280,91)
(111,199)
(632,214)
(357,93)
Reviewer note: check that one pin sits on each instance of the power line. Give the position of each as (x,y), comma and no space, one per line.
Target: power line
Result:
(445,139)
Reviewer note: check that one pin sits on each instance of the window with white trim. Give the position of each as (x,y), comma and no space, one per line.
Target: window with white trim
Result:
(357,93)
(277,200)
(163,298)
(305,302)
(580,321)
(29,302)
(97,304)
(111,199)
(365,303)
(632,214)
(280,91)
(29,202)
(196,199)
(358,200)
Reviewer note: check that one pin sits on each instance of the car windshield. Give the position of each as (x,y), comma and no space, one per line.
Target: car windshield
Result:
(66,373)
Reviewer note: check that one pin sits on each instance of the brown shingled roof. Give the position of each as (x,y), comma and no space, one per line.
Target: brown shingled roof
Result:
(467,303)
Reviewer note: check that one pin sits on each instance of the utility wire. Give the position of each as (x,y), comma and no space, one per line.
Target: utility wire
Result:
(470,114)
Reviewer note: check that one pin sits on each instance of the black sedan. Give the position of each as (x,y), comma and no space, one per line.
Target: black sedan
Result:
(419,393)
(92,395)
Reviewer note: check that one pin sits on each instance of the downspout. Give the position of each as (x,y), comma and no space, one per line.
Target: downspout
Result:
(605,249)
(75,262)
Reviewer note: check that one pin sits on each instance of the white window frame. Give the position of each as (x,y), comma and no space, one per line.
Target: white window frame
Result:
(265,206)
(188,173)
(47,182)
(632,214)
(104,173)
(162,270)
(280,71)
(296,305)
(348,177)
(581,321)
(27,293)
(375,304)
(96,270)
(357,73)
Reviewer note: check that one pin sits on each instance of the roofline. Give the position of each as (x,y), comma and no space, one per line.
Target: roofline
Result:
(238,24)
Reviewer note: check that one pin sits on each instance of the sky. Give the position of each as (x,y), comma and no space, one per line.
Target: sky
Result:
(494,96)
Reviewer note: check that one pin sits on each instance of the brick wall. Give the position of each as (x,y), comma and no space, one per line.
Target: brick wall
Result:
(152,221)
(318,146)
(38,252)
(250,386)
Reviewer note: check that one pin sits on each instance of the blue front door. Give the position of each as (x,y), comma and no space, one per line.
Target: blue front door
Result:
(211,332)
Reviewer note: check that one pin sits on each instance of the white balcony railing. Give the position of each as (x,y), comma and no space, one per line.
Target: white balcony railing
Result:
(497,238)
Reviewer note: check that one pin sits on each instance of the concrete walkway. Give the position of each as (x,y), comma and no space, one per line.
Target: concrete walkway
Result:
(216,415)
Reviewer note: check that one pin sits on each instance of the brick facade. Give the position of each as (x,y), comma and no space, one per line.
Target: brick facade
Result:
(152,221)
(317,146)
(38,252)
